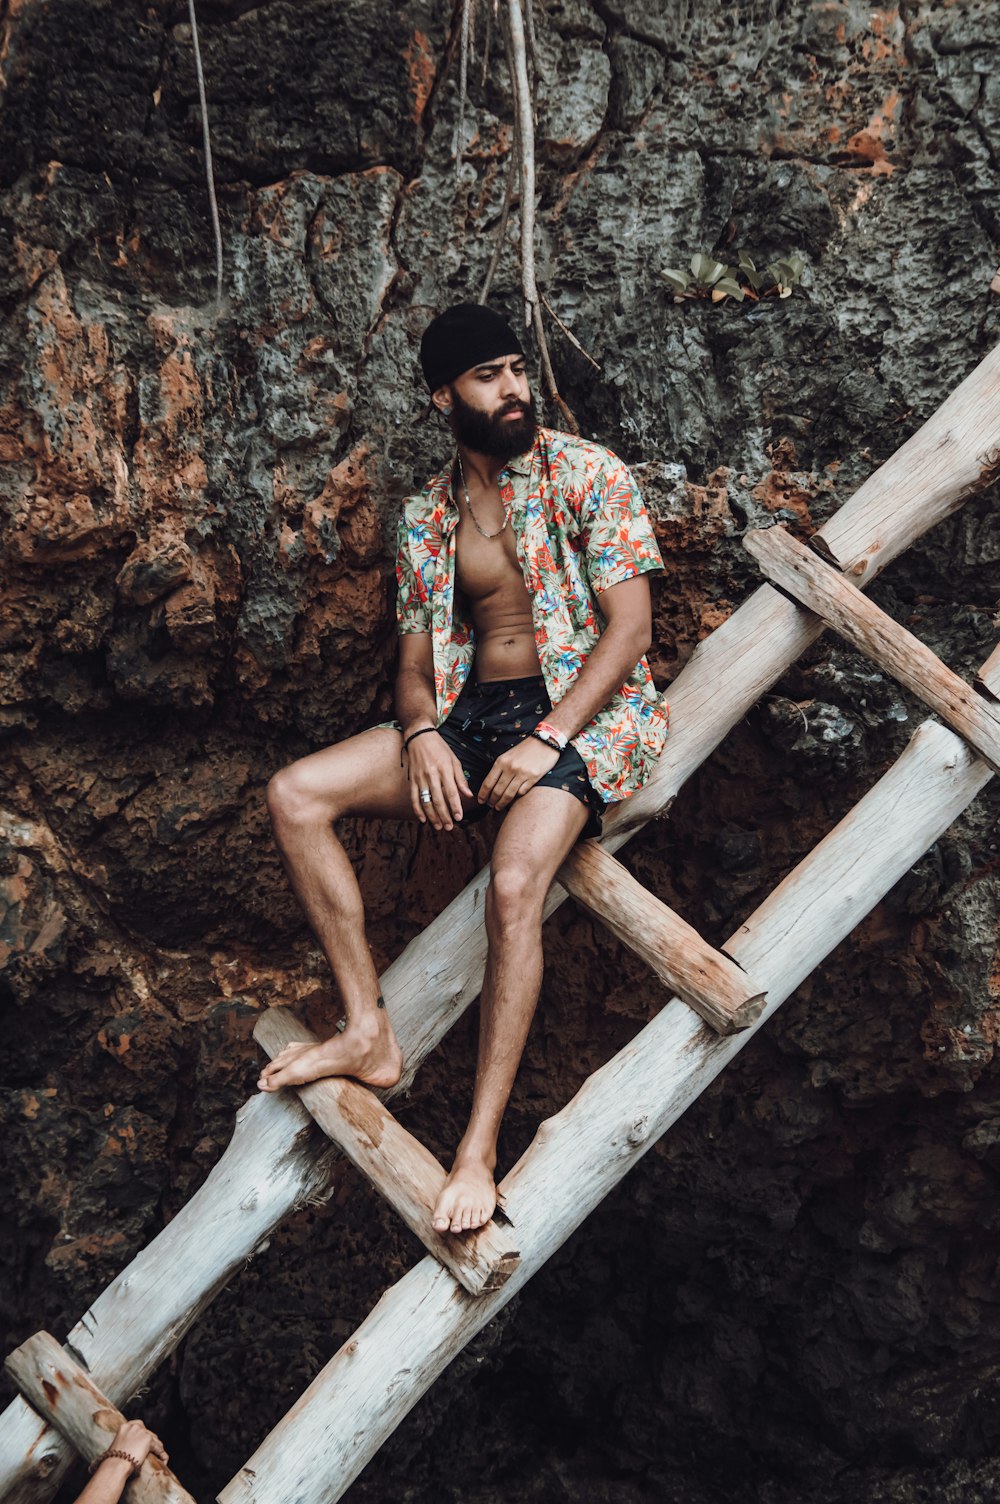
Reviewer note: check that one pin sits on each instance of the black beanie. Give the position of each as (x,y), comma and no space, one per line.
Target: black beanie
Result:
(467,335)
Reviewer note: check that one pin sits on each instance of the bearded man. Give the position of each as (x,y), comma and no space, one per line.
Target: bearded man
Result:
(524,615)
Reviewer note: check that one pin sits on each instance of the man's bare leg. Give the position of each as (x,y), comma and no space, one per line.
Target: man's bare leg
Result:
(537,833)
(361,776)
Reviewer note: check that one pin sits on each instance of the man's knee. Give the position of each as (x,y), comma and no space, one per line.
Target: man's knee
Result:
(514,898)
(293,799)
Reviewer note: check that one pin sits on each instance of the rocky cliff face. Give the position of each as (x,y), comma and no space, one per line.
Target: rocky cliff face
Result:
(795,1296)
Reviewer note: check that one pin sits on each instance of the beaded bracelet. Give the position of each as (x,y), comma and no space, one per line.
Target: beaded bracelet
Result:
(116,1452)
(550,734)
(545,741)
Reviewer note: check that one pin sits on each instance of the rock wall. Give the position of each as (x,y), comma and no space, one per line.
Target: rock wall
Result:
(795,1296)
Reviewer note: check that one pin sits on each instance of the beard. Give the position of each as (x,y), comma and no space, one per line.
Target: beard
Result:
(491,433)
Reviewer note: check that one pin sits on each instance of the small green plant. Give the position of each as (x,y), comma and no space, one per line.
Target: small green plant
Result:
(708,278)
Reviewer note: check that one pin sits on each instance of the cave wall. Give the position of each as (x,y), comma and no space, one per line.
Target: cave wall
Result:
(794,1297)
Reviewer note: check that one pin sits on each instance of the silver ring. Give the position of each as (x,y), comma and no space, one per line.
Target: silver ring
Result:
(426,796)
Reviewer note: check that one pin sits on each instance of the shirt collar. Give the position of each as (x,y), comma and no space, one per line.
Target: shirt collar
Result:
(519,466)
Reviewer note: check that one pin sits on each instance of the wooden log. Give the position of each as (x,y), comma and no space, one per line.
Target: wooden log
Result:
(277,1160)
(987,681)
(57,1387)
(440,972)
(843,607)
(954,454)
(708,981)
(339,1422)
(399,1167)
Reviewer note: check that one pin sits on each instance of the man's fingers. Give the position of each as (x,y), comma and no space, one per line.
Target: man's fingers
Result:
(415,800)
(460,779)
(489,783)
(437,809)
(452,782)
(506,791)
(513,791)
(428,810)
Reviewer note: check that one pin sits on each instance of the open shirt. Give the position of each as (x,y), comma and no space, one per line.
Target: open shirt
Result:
(580,527)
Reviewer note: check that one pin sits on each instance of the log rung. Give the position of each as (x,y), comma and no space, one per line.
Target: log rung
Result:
(709,981)
(822,589)
(65,1395)
(399,1167)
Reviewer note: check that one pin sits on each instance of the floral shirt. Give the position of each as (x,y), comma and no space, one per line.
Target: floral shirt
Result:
(580,527)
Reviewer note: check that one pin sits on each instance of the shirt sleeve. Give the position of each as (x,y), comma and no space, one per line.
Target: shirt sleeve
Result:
(413,604)
(619,536)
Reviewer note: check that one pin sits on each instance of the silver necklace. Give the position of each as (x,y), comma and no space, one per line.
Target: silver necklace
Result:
(468,503)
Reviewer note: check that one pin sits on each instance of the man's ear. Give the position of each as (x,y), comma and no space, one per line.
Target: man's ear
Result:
(442,400)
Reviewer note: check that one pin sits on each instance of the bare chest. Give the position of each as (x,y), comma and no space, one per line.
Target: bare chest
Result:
(487,567)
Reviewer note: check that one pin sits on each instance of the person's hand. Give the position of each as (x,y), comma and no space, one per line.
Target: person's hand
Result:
(433,765)
(138,1441)
(517,771)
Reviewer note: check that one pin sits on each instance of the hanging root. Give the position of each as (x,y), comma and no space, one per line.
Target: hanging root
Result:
(512,177)
(491,10)
(568,333)
(463,76)
(526,133)
(207,140)
(529,33)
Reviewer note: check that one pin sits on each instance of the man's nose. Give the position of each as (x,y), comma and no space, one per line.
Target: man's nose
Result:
(510,384)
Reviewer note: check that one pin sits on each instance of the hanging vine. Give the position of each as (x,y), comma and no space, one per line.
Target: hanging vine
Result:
(207,144)
(517,28)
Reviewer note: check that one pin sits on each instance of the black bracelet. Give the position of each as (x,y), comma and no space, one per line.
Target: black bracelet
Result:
(546,743)
(412,737)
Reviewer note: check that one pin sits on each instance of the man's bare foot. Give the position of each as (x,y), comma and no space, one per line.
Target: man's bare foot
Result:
(368,1053)
(469,1197)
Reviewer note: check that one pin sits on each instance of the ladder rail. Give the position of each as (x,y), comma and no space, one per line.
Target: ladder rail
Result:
(339,1422)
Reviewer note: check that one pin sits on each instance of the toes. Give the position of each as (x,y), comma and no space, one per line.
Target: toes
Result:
(442,1218)
(274,1078)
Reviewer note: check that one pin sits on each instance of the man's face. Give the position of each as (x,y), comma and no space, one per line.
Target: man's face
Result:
(493,411)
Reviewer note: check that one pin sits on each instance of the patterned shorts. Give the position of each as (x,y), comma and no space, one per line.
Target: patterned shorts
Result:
(488,719)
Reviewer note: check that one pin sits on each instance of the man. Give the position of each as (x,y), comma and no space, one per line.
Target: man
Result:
(524,615)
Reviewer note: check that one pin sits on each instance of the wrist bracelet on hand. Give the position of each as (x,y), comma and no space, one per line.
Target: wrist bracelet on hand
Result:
(412,737)
(116,1452)
(546,741)
(551,735)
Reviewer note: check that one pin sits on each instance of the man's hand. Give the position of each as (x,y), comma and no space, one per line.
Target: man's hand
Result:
(517,771)
(431,764)
(136,1439)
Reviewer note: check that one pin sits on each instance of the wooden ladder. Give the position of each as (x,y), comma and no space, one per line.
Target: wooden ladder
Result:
(276,1160)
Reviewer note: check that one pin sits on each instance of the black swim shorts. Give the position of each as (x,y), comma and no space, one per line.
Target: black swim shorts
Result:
(488,719)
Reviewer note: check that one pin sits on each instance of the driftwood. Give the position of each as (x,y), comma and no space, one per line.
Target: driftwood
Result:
(987,681)
(419,1326)
(277,1159)
(708,981)
(397,1164)
(440,971)
(884,641)
(60,1390)
(954,454)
